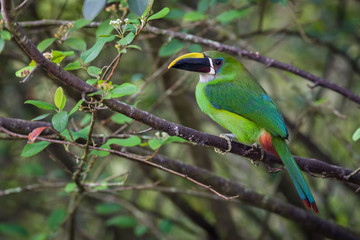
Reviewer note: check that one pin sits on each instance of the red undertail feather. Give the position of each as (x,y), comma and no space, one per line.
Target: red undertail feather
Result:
(313,205)
(307,204)
(266,143)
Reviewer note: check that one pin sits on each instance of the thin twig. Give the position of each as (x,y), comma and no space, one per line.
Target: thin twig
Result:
(78,172)
(28,75)
(21,5)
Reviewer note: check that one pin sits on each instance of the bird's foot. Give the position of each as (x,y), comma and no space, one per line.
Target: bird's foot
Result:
(227,137)
(274,170)
(256,147)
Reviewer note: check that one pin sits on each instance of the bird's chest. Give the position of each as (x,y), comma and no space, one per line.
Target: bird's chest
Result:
(245,130)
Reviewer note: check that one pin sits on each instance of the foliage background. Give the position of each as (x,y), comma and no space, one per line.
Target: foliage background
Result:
(320,37)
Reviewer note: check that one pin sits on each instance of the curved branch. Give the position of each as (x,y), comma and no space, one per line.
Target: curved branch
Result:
(269,62)
(313,39)
(313,166)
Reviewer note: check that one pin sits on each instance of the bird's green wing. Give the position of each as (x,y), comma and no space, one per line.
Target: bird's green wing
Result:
(249,100)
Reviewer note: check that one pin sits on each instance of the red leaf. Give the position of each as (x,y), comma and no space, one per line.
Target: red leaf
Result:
(35,133)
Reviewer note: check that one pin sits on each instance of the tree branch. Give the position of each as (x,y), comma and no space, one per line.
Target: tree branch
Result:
(312,166)
(269,62)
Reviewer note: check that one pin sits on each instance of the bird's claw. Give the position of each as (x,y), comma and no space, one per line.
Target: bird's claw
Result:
(274,170)
(228,140)
(256,147)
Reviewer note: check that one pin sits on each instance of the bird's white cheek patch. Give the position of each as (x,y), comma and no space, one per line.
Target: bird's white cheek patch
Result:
(206,77)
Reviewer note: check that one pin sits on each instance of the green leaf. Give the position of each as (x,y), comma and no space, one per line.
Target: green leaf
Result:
(122,222)
(60,120)
(91,8)
(2,44)
(155,143)
(195,48)
(70,187)
(126,142)
(86,119)
(356,135)
(99,92)
(32,149)
(134,21)
(320,101)
(165,226)
(72,66)
(123,90)
(231,15)
(94,51)
(194,16)
(24,71)
(140,230)
(107,208)
(6,35)
(42,116)
(130,28)
(58,56)
(32,63)
(120,118)
(44,44)
(94,71)
(41,104)
(138,6)
(79,24)
(76,44)
(147,9)
(76,107)
(83,133)
(13,230)
(202,6)
(171,48)
(127,39)
(162,13)
(101,153)
(175,14)
(134,46)
(92,81)
(172,139)
(56,218)
(59,98)
(104,29)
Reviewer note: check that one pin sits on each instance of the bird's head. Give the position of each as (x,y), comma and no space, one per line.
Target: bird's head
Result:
(210,64)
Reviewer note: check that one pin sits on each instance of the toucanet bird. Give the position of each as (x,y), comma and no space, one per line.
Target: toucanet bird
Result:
(233,98)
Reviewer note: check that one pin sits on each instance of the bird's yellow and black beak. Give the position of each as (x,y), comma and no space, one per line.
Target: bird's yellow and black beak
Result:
(195,62)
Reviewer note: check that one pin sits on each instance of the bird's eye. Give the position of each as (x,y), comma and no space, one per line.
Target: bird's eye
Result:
(218,62)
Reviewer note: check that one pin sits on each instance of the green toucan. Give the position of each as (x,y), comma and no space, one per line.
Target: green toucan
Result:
(233,98)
